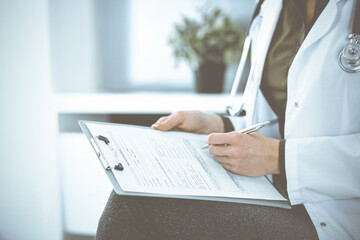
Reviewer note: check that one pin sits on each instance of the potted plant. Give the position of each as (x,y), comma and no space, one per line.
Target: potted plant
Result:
(208,46)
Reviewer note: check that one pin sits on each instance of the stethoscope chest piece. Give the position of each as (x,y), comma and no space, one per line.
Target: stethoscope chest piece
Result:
(349,57)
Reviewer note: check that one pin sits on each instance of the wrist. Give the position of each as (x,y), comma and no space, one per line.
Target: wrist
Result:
(215,123)
(276,157)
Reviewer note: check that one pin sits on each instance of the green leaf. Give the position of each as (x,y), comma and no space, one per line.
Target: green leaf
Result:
(215,38)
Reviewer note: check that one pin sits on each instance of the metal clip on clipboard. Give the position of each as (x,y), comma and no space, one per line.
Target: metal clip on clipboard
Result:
(106,166)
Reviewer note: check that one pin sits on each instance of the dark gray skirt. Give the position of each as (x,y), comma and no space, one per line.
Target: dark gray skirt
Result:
(129,218)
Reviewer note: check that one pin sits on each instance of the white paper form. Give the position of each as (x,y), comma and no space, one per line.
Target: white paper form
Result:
(173,163)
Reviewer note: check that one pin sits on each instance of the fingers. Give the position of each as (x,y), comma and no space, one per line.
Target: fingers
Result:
(225,138)
(228,161)
(159,121)
(218,139)
(226,166)
(226,144)
(223,159)
(159,124)
(168,122)
(219,150)
(230,164)
(229,167)
(229,157)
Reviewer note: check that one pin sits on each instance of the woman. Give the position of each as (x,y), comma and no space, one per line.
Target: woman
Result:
(313,152)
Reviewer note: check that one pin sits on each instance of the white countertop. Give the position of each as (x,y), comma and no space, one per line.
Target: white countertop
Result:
(139,102)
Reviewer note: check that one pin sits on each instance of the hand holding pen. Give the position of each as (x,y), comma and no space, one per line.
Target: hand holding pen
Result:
(246,154)
(248,130)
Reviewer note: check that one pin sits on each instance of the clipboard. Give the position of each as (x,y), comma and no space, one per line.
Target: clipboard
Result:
(101,147)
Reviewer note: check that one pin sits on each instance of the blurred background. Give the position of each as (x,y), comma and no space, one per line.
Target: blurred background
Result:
(105,60)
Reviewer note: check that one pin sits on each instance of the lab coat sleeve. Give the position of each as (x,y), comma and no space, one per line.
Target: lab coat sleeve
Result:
(323,168)
(238,122)
(265,114)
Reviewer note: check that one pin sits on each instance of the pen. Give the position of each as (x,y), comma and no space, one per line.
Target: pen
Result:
(248,130)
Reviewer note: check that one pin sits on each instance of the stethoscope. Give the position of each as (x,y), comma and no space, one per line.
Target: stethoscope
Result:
(349,59)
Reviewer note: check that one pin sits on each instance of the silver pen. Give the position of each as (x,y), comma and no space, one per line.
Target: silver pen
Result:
(248,130)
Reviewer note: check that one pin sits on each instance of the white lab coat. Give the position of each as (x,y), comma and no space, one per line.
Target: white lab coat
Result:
(322,122)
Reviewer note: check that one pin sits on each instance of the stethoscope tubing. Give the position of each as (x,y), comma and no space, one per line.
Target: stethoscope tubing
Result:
(239,73)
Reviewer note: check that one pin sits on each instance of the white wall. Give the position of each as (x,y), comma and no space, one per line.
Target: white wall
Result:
(117,45)
(74,45)
(29,199)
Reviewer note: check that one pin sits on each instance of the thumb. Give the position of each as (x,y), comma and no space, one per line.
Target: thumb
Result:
(168,123)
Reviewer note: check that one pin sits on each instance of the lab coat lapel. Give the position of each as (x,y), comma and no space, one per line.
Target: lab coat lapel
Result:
(322,25)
